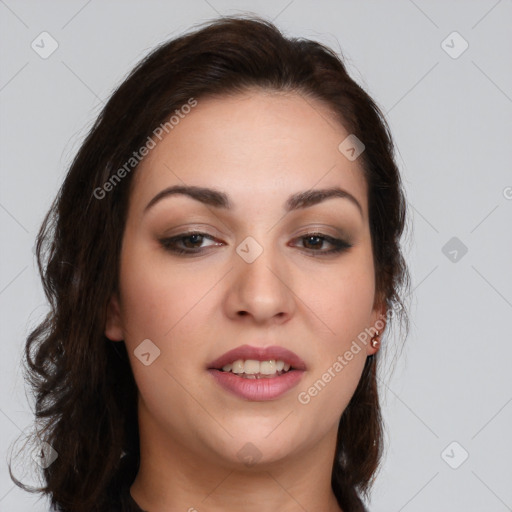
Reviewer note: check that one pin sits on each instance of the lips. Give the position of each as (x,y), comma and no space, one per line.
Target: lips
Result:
(258,389)
(246,352)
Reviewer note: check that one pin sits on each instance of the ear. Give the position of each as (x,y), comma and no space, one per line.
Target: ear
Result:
(113,326)
(379,318)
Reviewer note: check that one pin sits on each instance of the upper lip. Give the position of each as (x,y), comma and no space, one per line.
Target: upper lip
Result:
(259,354)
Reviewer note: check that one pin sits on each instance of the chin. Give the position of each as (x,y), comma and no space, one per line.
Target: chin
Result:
(249,451)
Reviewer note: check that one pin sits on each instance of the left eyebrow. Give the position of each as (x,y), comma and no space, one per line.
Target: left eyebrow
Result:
(219,199)
(314,196)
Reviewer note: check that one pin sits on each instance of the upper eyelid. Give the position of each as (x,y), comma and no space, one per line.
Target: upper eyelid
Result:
(336,227)
(311,232)
(211,231)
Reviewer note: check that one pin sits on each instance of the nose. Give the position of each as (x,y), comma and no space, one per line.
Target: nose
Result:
(260,291)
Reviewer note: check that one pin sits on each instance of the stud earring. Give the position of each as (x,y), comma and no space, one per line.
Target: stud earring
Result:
(375,340)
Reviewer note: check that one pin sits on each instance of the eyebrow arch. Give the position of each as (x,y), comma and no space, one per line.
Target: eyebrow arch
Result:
(219,199)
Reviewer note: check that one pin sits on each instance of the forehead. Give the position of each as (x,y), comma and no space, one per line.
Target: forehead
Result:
(254,144)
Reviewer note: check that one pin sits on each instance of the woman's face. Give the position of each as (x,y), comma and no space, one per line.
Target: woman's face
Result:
(253,277)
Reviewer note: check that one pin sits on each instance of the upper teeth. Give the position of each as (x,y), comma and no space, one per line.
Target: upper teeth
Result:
(252,366)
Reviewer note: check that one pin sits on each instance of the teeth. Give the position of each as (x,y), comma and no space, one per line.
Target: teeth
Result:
(251,367)
(267,367)
(238,366)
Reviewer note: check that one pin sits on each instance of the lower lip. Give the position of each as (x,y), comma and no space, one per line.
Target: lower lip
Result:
(257,389)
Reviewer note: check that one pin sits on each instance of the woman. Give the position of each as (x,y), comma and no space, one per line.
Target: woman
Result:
(221,262)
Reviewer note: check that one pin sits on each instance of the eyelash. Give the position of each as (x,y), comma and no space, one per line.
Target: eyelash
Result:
(340,246)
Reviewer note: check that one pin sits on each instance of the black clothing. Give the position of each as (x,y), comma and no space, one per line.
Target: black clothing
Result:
(126,502)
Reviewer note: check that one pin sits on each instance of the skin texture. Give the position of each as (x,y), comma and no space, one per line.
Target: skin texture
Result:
(258,148)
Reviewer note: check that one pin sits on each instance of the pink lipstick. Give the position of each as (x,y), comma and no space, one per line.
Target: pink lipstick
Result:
(256,373)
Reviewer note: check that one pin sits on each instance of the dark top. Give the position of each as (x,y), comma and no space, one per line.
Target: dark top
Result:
(126,502)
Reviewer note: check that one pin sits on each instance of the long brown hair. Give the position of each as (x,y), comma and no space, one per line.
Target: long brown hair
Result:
(85,393)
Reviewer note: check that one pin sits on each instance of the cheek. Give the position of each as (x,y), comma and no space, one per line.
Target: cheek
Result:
(162,305)
(347,301)
(341,357)
(171,308)
(341,350)
(156,296)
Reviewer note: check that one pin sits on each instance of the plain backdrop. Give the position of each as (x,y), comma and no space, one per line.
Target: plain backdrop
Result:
(441,72)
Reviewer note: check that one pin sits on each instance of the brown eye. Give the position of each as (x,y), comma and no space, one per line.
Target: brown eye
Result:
(193,239)
(314,242)
(186,243)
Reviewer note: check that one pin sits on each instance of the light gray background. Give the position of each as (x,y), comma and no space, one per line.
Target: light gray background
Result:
(451,120)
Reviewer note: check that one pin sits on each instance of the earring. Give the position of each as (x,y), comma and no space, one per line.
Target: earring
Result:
(375,340)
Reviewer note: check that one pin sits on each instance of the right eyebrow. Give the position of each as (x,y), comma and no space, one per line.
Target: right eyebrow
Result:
(204,195)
